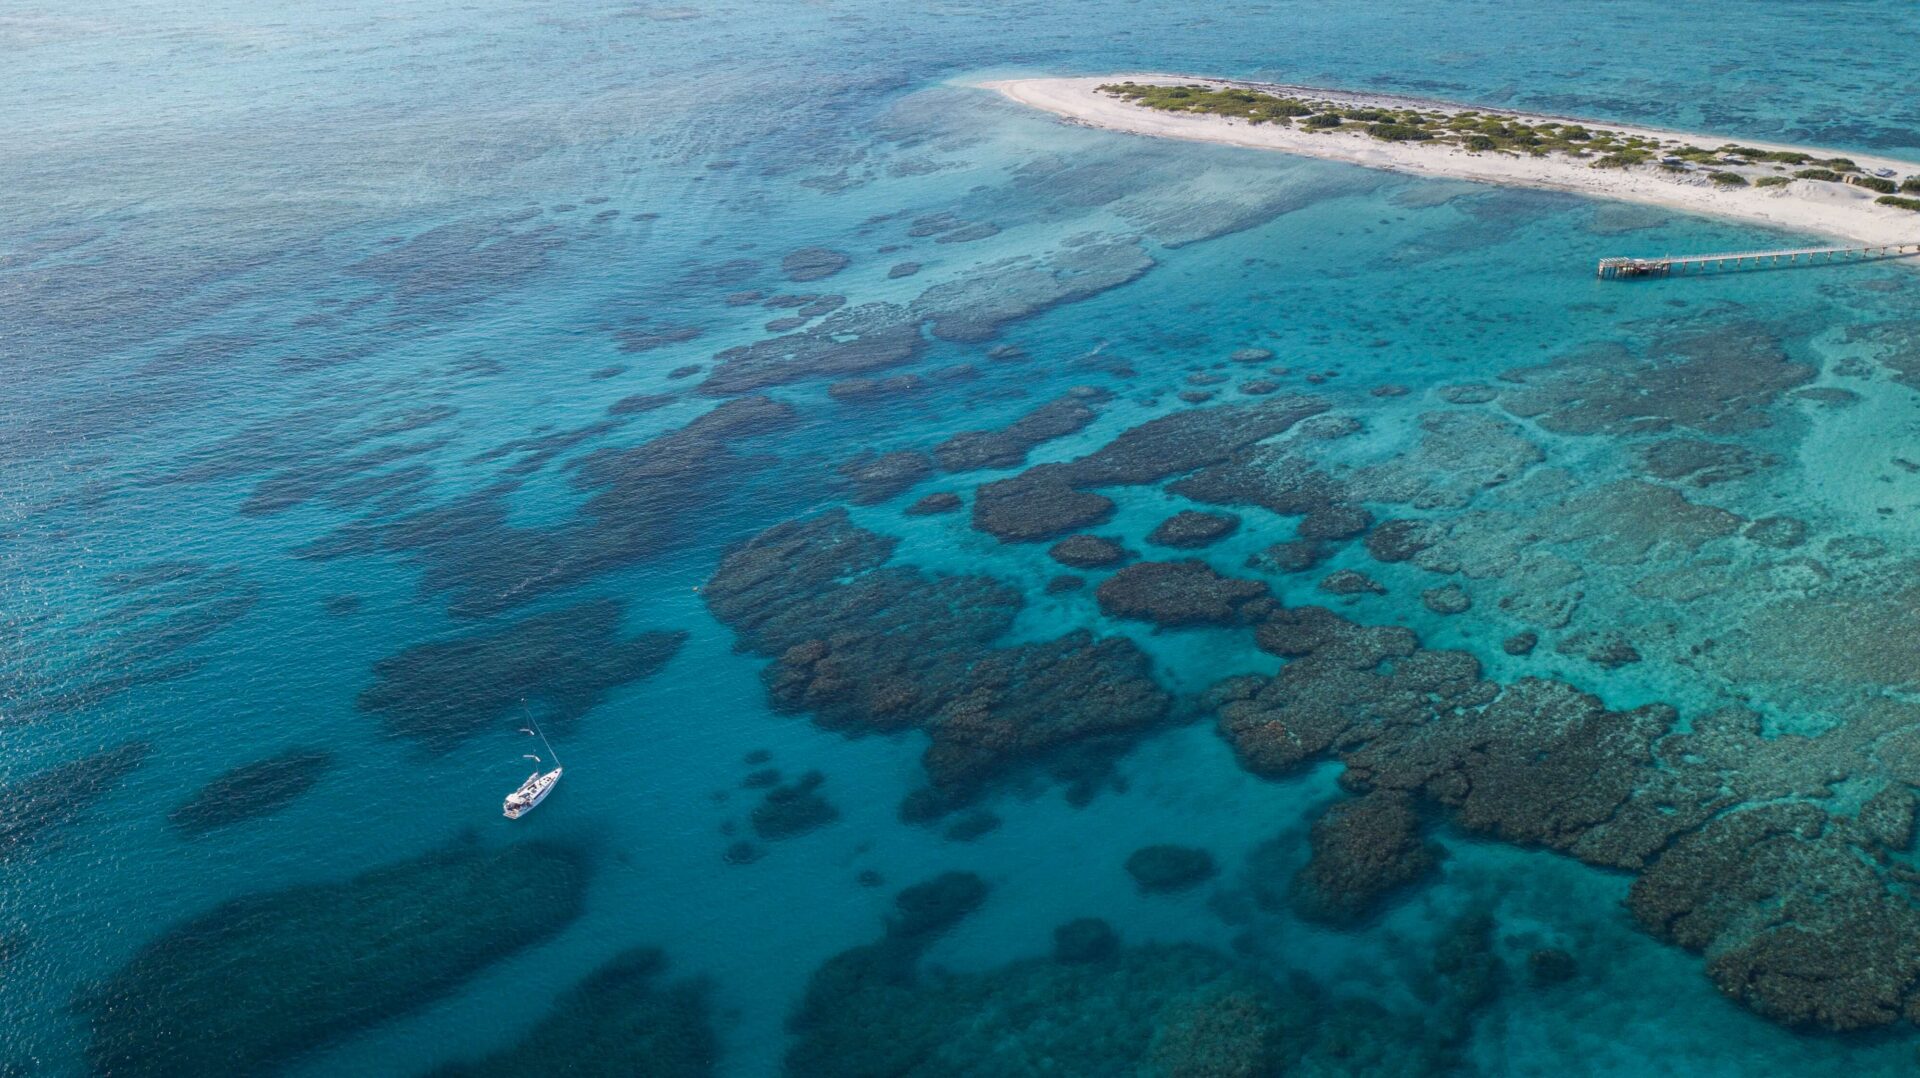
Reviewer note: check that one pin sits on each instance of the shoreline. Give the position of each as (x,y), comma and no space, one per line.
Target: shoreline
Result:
(1808,207)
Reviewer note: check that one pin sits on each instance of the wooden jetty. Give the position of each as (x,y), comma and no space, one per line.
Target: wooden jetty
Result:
(1667,265)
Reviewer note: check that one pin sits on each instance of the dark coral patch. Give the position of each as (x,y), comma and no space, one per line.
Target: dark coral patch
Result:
(1716,381)
(941,501)
(44,802)
(1098,1008)
(251,790)
(1189,529)
(877,477)
(251,985)
(1050,499)
(793,809)
(620,1022)
(1182,593)
(1036,505)
(868,647)
(1008,447)
(1164,869)
(1364,850)
(1701,463)
(445,691)
(1085,939)
(977,306)
(852,340)
(1087,552)
(813,263)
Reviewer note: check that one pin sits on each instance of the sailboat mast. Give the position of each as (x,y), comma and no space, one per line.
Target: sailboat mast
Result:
(531,721)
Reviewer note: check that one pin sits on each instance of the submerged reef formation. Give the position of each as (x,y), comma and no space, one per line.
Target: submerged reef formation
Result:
(1008,447)
(1713,382)
(1363,850)
(641,500)
(1096,1008)
(1049,500)
(155,615)
(44,802)
(250,790)
(794,808)
(620,1022)
(1799,908)
(248,986)
(1164,868)
(866,647)
(1176,593)
(445,691)
(1087,552)
(1189,529)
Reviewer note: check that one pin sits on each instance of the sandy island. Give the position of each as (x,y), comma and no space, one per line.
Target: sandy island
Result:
(1814,207)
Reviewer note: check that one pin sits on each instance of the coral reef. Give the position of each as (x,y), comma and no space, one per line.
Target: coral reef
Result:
(1364,850)
(851,341)
(1096,1009)
(1164,868)
(1008,447)
(1189,529)
(1459,455)
(44,802)
(1701,463)
(1715,382)
(444,691)
(619,1022)
(251,790)
(1176,593)
(868,647)
(1050,499)
(1351,582)
(1084,939)
(1087,552)
(793,808)
(977,306)
(879,476)
(813,263)
(250,985)
(1551,965)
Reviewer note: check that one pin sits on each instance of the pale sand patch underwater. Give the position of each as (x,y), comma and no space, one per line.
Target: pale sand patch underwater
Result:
(1813,207)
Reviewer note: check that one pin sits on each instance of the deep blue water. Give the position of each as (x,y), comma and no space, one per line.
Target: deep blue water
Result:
(314,326)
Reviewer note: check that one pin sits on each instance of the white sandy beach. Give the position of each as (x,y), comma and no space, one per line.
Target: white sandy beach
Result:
(1811,207)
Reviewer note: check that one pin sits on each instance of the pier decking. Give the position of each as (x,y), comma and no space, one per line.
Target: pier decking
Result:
(1667,265)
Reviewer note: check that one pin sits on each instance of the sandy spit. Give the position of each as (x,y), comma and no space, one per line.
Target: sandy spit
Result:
(1811,208)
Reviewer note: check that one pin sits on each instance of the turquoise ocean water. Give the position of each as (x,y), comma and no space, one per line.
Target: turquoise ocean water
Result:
(355,358)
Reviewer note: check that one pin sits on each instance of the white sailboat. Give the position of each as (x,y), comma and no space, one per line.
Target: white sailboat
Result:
(538,785)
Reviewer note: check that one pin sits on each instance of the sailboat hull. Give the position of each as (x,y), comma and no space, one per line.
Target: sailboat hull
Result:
(530,794)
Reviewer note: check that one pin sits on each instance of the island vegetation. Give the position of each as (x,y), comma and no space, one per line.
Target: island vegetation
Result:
(1485,132)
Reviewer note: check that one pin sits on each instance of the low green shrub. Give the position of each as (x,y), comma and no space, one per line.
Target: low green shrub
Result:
(1480,143)
(1903,203)
(1727,179)
(1397,133)
(1911,183)
(1874,183)
(1323,119)
(1772,181)
(1816,174)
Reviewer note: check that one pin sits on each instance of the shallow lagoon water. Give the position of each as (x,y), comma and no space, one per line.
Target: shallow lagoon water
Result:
(276,285)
